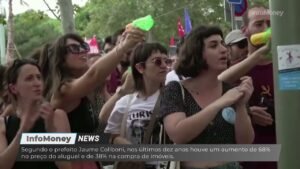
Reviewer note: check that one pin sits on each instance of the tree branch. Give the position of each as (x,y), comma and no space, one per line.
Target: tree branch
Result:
(17,51)
(52,11)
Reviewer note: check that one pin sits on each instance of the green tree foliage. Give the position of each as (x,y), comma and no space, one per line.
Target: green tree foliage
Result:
(104,17)
(2,20)
(82,18)
(33,29)
(259,2)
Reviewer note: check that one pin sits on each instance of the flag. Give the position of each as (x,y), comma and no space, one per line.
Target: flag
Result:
(172,41)
(187,21)
(94,48)
(180,28)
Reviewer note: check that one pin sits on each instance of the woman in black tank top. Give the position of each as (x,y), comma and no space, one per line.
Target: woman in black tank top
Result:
(72,80)
(25,86)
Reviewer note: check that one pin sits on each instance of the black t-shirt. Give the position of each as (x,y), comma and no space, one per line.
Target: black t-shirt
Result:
(217,132)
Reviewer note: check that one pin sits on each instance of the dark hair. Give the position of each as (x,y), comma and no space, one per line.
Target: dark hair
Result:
(245,16)
(2,74)
(179,44)
(42,56)
(140,54)
(115,36)
(46,52)
(60,72)
(35,55)
(108,40)
(13,71)
(190,62)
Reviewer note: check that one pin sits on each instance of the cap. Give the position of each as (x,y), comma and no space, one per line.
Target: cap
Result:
(234,36)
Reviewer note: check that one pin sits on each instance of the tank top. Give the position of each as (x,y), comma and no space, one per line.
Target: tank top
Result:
(82,119)
(12,124)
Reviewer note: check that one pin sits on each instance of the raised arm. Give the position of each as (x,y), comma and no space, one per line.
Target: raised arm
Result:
(244,133)
(235,72)
(98,72)
(126,88)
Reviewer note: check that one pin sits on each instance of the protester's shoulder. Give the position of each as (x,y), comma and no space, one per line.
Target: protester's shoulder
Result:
(125,98)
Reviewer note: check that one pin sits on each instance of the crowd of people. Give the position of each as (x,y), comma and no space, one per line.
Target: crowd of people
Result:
(133,92)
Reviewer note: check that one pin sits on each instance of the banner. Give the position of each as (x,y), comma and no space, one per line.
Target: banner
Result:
(86,147)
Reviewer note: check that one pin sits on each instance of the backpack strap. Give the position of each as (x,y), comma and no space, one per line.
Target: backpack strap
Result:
(153,118)
(182,92)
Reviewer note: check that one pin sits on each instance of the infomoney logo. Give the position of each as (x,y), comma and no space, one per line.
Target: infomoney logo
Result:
(48,138)
(269,12)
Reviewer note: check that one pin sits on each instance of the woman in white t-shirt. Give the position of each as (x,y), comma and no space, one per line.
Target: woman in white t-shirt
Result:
(149,66)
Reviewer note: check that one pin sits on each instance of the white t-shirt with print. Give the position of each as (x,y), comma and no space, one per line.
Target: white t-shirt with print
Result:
(139,114)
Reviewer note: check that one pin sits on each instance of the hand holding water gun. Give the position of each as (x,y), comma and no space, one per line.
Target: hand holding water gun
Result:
(261,38)
(135,32)
(144,23)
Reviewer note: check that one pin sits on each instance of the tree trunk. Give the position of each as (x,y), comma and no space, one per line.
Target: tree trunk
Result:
(10,34)
(66,14)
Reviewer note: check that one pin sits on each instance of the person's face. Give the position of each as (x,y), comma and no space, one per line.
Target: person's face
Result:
(174,60)
(29,84)
(76,58)
(238,51)
(215,53)
(125,62)
(259,21)
(107,47)
(156,67)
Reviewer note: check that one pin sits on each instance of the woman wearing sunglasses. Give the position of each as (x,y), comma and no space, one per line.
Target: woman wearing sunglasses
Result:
(198,110)
(73,80)
(32,115)
(149,66)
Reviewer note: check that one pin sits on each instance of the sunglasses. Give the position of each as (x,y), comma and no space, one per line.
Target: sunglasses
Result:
(241,44)
(158,61)
(78,48)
